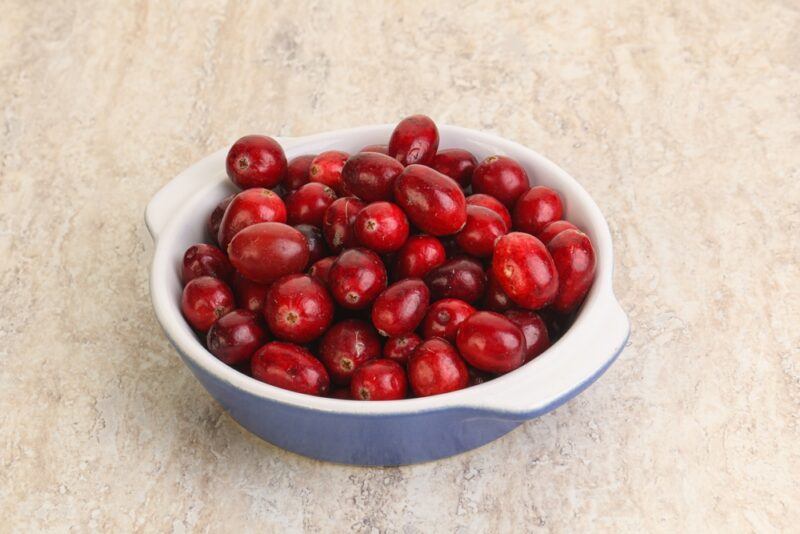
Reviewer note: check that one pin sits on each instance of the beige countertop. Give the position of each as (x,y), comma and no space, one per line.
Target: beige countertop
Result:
(681,119)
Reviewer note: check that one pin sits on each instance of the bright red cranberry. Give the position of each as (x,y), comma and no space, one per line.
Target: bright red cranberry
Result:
(341,393)
(418,256)
(205,260)
(534,330)
(414,140)
(322,268)
(337,226)
(459,278)
(444,317)
(264,252)
(495,298)
(493,204)
(378,380)
(370,176)
(434,203)
(380,149)
(356,278)
(575,261)
(525,270)
(400,348)
(317,249)
(327,169)
(297,172)
(256,161)
(206,299)
(436,368)
(346,346)
(400,307)
(291,367)
(382,227)
(250,207)
(298,309)
(483,228)
(456,163)
(553,229)
(249,295)
(536,208)
(501,177)
(308,204)
(215,219)
(491,342)
(235,337)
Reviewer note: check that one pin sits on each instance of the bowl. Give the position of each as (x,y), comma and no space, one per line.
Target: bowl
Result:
(389,432)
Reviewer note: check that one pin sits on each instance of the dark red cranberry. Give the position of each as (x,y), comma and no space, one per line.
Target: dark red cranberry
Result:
(436,368)
(534,330)
(444,317)
(249,295)
(491,342)
(266,251)
(557,323)
(327,169)
(400,307)
(215,219)
(459,278)
(321,269)
(297,172)
(370,176)
(500,177)
(378,380)
(486,201)
(575,262)
(418,256)
(205,260)
(434,203)
(382,227)
(553,229)
(495,298)
(341,393)
(451,248)
(525,270)
(536,208)
(299,308)
(235,337)
(256,161)
(346,346)
(380,149)
(308,204)
(414,140)
(356,278)
(337,226)
(317,249)
(483,228)
(478,377)
(291,367)
(250,207)
(456,163)
(206,299)
(400,348)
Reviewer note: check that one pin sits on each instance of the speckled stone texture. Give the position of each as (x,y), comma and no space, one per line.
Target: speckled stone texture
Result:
(682,119)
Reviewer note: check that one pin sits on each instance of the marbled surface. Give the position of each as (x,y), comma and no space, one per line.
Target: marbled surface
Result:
(682,119)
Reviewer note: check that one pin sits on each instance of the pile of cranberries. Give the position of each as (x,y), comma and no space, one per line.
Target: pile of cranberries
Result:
(398,271)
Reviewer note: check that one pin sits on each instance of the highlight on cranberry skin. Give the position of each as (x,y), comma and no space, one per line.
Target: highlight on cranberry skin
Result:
(491,342)
(205,260)
(346,346)
(536,208)
(291,367)
(378,380)
(256,161)
(436,368)
(204,300)
(415,139)
(298,308)
(235,337)
(500,177)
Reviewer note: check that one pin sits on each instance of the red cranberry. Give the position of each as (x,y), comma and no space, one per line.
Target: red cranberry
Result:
(490,342)
(249,295)
(495,298)
(418,256)
(380,149)
(401,348)
(370,176)
(235,337)
(434,203)
(575,261)
(553,229)
(444,317)
(414,140)
(297,172)
(460,278)
(400,307)
(327,169)
(379,379)
(205,300)
(346,346)
(524,269)
(321,269)
(493,204)
(317,249)
(356,278)
(536,208)
(256,161)
(298,309)
(382,227)
(483,228)
(337,226)
(436,368)
(215,219)
(264,252)
(534,330)
(205,260)
(308,204)
(291,367)
(250,207)
(500,177)
(456,163)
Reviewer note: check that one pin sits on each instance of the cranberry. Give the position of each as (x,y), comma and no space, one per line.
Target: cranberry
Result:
(341,393)
(308,204)
(356,278)
(321,269)
(327,169)
(491,342)
(382,227)
(525,270)
(337,226)
(493,204)
(418,256)
(347,345)
(264,252)
(456,163)
(205,260)
(451,248)
(249,295)
(536,208)
(400,307)
(379,379)
(256,161)
(291,367)
(206,299)
(317,249)
(553,229)
(250,207)
(478,377)
(297,172)
(575,261)
(483,228)
(534,330)
(215,218)
(495,298)
(400,348)
(500,177)
(380,149)
(370,175)
(436,368)
(235,337)
(433,202)
(557,323)
(444,317)
(298,308)
(414,140)
(460,278)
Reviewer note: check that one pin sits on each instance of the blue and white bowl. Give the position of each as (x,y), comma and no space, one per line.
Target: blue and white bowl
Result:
(389,432)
